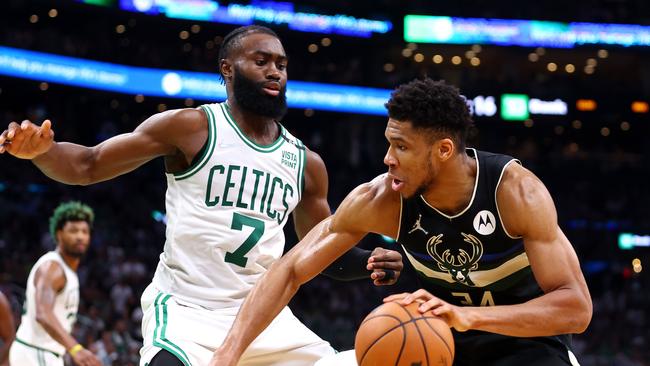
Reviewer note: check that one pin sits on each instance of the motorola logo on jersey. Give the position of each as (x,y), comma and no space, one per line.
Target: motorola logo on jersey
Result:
(485,222)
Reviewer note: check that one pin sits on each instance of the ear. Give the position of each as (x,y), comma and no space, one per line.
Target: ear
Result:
(58,234)
(445,149)
(226,68)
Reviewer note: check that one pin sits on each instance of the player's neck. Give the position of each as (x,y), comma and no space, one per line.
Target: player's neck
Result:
(454,185)
(70,261)
(262,129)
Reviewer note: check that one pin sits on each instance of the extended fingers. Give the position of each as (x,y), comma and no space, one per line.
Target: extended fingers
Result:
(7,135)
(421,295)
(442,309)
(45,130)
(11,130)
(433,303)
(396,297)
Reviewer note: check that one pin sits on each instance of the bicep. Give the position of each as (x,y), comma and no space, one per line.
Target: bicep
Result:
(48,281)
(530,212)
(313,206)
(149,140)
(553,261)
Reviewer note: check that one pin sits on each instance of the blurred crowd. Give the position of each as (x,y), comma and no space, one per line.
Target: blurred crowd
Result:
(594,166)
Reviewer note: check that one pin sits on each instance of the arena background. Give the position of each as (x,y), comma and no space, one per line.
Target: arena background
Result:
(594,157)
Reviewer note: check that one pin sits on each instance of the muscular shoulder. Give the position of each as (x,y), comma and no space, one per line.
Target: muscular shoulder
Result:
(51,274)
(315,169)
(187,119)
(523,200)
(183,130)
(371,207)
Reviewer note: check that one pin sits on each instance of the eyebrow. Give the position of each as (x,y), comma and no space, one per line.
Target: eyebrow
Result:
(269,54)
(398,138)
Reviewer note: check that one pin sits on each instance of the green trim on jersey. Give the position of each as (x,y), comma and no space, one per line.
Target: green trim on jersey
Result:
(36,347)
(302,163)
(41,358)
(252,144)
(162,341)
(207,153)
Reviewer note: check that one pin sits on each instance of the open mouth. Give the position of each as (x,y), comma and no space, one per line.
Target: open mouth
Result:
(397,183)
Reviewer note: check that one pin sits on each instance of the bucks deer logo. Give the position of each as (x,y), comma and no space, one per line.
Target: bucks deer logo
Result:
(458,262)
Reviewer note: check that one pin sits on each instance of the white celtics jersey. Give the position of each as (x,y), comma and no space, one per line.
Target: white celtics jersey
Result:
(225,214)
(65,309)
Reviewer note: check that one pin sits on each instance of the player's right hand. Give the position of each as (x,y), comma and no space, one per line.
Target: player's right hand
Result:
(86,358)
(27,140)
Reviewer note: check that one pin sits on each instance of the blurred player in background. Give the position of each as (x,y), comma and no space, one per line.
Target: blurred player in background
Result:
(480,230)
(234,175)
(52,295)
(7,329)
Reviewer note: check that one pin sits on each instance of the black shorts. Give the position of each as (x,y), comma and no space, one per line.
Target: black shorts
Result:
(475,348)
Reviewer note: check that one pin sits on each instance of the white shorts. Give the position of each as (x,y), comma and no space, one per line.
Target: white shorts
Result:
(22,354)
(192,333)
(345,358)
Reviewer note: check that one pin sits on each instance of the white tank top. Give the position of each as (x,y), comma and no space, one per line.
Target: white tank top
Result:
(65,308)
(226,213)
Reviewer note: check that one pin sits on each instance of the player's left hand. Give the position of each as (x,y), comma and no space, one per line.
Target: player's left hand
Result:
(457,317)
(386,266)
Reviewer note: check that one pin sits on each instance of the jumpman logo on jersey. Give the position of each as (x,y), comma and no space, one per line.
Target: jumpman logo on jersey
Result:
(418,226)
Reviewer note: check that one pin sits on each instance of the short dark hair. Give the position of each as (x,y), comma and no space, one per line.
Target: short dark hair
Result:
(432,105)
(231,40)
(70,211)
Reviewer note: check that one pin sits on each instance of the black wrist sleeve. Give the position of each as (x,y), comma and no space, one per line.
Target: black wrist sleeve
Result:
(350,266)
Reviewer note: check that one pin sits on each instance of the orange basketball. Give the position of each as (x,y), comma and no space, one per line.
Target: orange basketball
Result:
(398,335)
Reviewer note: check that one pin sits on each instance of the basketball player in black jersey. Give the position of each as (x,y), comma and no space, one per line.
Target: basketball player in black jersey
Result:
(480,230)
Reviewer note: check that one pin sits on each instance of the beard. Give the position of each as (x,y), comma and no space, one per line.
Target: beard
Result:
(428,182)
(72,251)
(250,97)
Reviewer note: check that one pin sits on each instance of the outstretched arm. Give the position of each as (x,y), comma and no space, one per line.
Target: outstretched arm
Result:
(381,265)
(7,328)
(163,134)
(367,209)
(565,307)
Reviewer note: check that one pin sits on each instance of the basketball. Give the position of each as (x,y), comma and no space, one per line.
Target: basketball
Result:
(393,334)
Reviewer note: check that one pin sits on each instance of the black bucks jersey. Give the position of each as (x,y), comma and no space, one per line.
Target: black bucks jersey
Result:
(470,259)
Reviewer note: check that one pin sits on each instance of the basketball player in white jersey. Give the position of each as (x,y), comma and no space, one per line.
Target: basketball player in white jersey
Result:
(52,295)
(7,330)
(234,175)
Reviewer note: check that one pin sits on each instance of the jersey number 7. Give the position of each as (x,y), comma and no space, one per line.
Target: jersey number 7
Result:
(238,257)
